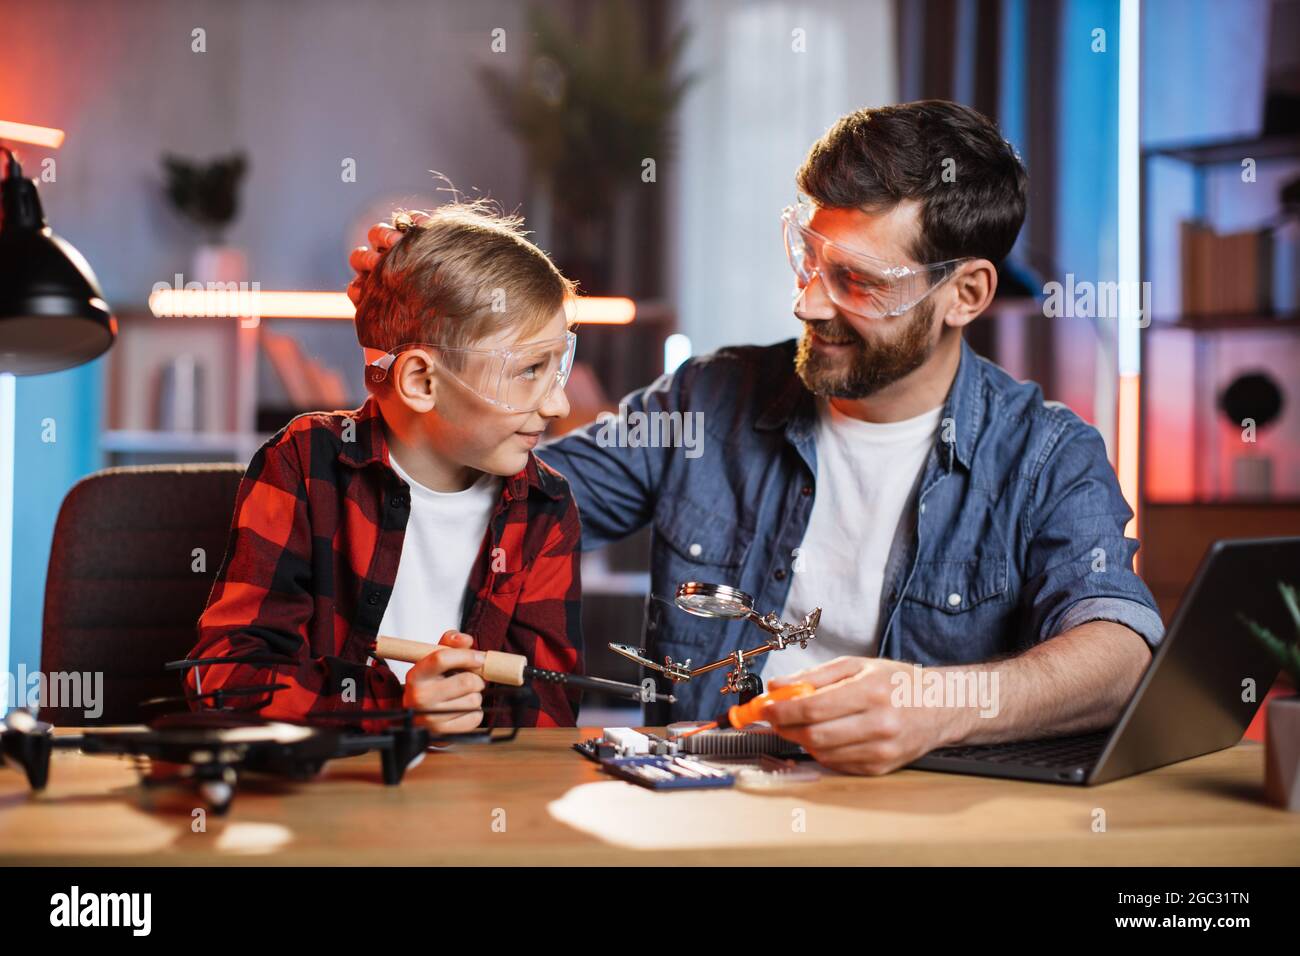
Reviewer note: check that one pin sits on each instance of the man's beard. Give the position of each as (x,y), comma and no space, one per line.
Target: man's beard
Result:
(870,367)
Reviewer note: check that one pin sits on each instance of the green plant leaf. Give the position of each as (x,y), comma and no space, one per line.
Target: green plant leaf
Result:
(1289,596)
(614,111)
(1287,653)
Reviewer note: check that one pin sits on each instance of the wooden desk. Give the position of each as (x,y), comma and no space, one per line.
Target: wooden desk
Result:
(506,804)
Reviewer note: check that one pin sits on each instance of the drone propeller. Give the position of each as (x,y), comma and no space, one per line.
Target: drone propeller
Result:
(215,694)
(265,660)
(23,721)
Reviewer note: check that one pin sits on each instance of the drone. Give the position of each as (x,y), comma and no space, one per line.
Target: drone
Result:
(213,748)
(721,601)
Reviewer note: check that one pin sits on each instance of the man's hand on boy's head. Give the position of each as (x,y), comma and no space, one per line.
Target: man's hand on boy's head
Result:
(442,681)
(382,237)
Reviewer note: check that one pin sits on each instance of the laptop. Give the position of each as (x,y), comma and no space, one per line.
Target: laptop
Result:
(1189,701)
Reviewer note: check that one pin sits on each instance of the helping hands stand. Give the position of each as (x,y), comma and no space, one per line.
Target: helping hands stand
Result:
(721,601)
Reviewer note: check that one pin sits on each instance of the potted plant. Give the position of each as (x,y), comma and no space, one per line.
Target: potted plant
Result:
(208,195)
(590,108)
(1282,721)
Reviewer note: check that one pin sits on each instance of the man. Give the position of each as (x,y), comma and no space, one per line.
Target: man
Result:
(941,513)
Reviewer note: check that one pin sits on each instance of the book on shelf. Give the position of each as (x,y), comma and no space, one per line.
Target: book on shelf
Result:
(1286,268)
(308,383)
(1248,273)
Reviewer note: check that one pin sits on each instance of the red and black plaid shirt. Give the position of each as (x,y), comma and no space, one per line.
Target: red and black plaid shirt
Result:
(317,535)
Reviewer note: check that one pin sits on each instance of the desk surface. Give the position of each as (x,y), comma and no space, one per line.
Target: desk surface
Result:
(534,801)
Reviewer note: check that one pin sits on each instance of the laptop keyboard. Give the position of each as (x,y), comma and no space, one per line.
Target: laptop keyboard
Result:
(1057,752)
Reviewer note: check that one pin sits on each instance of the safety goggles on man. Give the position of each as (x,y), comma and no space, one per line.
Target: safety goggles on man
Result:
(518,379)
(856,282)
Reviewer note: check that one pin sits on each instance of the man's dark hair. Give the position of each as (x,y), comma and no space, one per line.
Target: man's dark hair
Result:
(873,159)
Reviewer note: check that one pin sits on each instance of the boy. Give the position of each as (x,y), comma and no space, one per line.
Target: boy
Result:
(424,514)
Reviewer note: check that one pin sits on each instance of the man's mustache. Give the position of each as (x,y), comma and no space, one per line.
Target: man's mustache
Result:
(835,331)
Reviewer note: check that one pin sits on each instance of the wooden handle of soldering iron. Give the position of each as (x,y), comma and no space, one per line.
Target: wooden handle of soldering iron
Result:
(498,667)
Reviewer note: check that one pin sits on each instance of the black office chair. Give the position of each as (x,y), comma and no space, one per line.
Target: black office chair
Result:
(123,596)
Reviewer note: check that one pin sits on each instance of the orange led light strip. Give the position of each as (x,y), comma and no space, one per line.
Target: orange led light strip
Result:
(233,303)
(599,310)
(1126,458)
(26,133)
(223,303)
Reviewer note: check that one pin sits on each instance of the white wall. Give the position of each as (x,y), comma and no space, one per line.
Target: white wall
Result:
(755,109)
(300,85)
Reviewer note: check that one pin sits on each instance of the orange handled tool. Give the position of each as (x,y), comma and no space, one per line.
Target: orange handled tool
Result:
(742,715)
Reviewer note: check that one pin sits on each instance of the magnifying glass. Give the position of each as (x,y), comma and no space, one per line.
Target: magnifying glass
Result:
(714,600)
(722,601)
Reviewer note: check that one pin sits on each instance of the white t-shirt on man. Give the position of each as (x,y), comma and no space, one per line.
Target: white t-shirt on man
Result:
(866,474)
(444,533)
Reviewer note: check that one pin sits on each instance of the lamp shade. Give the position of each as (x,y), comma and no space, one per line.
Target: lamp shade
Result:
(52,314)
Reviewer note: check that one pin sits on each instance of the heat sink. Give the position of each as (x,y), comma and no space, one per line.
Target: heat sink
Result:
(745,742)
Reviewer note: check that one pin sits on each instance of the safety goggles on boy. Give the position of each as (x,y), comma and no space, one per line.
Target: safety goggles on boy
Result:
(518,379)
(856,282)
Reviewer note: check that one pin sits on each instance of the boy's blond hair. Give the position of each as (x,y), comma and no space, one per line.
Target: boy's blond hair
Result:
(466,274)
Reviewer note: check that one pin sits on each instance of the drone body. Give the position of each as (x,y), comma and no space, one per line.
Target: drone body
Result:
(212,749)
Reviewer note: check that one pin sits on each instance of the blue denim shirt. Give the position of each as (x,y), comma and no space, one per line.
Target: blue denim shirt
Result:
(1017,513)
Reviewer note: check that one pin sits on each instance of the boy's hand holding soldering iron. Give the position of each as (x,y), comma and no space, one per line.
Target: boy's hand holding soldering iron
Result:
(451,677)
(446,679)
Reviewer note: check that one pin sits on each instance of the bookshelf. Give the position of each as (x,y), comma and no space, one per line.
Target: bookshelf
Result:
(1236,308)
(1190,493)
(133,430)
(1225,264)
(227,353)
(1228,151)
